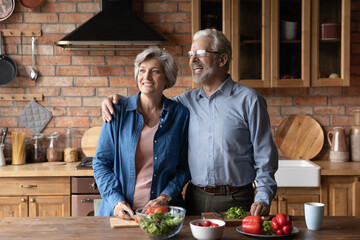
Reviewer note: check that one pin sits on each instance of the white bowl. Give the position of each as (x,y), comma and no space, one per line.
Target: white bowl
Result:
(207,233)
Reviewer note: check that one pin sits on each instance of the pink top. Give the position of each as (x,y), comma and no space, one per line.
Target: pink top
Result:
(144,166)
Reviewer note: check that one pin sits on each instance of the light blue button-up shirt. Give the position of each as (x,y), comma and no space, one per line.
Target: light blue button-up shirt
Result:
(230,140)
(114,161)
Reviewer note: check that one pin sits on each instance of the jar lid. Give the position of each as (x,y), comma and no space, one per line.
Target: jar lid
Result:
(37,136)
(54,135)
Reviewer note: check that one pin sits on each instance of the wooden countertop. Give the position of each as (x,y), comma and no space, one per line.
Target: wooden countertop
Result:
(79,228)
(43,170)
(68,169)
(338,169)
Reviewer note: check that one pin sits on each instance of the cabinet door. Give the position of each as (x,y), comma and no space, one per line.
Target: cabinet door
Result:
(290,43)
(340,195)
(330,43)
(13,207)
(294,204)
(49,206)
(250,38)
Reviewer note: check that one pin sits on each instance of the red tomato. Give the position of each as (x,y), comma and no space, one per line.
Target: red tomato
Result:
(162,210)
(198,224)
(207,224)
(150,211)
(283,219)
(214,225)
(287,229)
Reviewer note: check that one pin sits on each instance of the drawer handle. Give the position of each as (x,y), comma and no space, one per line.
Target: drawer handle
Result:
(88,200)
(23,200)
(28,186)
(32,200)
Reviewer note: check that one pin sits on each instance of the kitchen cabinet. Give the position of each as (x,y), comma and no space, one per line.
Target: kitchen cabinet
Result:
(341,195)
(280,43)
(34,196)
(290,200)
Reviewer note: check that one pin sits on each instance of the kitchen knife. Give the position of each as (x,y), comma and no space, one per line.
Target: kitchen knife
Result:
(219,215)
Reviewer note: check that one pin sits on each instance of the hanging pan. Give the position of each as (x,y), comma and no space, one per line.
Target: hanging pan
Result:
(8,67)
(6,8)
(31,3)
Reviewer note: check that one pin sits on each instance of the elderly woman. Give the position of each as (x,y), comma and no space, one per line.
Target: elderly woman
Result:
(141,156)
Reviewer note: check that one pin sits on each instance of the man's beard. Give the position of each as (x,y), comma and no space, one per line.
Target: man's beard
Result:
(202,77)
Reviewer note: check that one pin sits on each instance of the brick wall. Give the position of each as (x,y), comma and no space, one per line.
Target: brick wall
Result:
(75,82)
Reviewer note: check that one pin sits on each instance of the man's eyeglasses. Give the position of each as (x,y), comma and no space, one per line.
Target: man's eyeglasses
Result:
(200,53)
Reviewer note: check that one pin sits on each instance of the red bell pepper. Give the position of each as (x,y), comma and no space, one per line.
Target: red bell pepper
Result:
(253,224)
(282,224)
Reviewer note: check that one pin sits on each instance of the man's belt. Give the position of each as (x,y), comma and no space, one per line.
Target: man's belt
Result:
(225,190)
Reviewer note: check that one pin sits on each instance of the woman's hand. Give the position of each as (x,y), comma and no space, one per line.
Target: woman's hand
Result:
(159,201)
(120,210)
(107,107)
(259,208)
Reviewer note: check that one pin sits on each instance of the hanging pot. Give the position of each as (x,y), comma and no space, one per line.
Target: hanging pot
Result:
(31,3)
(6,8)
(8,67)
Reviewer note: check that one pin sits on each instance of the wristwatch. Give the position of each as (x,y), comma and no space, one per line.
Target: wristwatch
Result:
(166,197)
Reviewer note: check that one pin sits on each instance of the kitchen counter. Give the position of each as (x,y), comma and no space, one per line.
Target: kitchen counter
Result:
(99,228)
(44,170)
(68,169)
(338,169)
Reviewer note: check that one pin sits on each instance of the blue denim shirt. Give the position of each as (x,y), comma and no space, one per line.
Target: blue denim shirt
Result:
(114,161)
(230,139)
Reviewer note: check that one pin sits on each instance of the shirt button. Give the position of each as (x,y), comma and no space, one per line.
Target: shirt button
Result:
(161,126)
(154,175)
(210,136)
(211,118)
(161,119)
(155,141)
(152,192)
(155,158)
(209,155)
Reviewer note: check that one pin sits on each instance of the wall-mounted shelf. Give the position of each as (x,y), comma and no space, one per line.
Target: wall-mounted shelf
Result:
(20,32)
(21,97)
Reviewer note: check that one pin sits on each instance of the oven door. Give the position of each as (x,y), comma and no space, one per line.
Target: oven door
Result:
(83,205)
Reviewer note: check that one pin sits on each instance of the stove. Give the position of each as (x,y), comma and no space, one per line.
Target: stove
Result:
(85,164)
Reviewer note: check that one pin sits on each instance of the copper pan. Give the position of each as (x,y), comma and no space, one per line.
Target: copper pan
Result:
(31,3)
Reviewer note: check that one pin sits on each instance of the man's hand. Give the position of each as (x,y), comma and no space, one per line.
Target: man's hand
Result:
(120,210)
(107,107)
(159,201)
(259,208)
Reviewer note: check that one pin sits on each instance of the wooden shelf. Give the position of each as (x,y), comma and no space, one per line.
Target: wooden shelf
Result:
(21,97)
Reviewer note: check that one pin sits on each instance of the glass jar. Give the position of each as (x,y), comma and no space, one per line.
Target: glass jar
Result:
(37,149)
(70,151)
(53,152)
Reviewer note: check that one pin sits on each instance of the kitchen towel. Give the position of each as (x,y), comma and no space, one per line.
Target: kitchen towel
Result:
(35,117)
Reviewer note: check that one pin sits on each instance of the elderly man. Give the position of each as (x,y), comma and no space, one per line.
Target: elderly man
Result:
(231,146)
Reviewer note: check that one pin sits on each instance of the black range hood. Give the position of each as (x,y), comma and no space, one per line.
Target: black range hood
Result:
(113,27)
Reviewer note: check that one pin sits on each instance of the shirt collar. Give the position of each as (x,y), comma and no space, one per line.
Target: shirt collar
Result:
(225,88)
(132,104)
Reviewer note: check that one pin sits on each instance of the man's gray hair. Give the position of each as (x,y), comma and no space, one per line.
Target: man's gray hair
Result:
(219,42)
(167,60)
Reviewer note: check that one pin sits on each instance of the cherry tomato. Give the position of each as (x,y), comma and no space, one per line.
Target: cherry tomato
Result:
(214,225)
(207,224)
(198,224)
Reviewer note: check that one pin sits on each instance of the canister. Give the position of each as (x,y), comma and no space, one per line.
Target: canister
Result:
(18,148)
(330,31)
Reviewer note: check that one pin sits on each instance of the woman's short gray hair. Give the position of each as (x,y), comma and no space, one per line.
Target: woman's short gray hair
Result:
(220,43)
(167,60)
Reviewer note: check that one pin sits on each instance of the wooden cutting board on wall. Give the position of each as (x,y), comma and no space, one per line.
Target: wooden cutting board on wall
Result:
(89,141)
(299,137)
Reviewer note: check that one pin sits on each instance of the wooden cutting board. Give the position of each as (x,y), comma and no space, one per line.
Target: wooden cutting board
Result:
(122,223)
(228,221)
(89,141)
(299,137)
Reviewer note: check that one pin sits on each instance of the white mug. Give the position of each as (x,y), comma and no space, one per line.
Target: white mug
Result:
(314,215)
